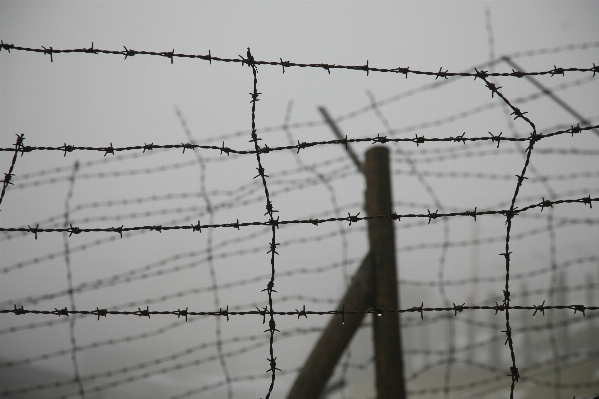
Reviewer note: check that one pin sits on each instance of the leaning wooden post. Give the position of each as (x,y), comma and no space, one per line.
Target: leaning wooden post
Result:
(387,340)
(334,340)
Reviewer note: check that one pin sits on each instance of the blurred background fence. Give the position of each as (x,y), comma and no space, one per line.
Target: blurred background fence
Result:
(183,234)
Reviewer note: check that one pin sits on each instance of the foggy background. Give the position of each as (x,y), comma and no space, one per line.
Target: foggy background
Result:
(96,100)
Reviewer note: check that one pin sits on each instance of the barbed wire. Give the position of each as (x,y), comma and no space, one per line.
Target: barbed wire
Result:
(416,322)
(144,272)
(263,313)
(276,222)
(8,176)
(509,211)
(250,61)
(302,145)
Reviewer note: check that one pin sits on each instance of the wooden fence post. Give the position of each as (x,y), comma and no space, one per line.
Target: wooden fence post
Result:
(387,340)
(319,367)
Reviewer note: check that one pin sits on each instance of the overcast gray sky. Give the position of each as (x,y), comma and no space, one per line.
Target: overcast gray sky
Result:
(98,100)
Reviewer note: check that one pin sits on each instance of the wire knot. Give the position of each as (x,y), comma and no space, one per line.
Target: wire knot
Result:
(557,71)
(518,113)
(506,296)
(393,216)
(460,138)
(7,47)
(418,140)
(458,308)
(197,227)
(109,150)
(534,137)
(129,53)
(480,74)
(473,214)
(73,230)
(91,49)
(514,374)
(521,178)
(19,311)
(273,248)
(49,51)
(224,313)
(182,313)
(7,177)
(100,312)
(380,139)
(118,230)
(403,70)
(254,97)
(546,204)
(420,309)
(509,214)
(575,129)
(261,171)
(499,308)
(249,60)
(269,208)
(301,312)
(272,326)
(433,215)
(284,64)
(262,313)
(61,312)
(537,308)
(34,230)
(588,201)
(441,74)
(224,149)
(496,138)
(143,313)
(273,365)
(342,312)
(300,146)
(517,74)
(327,67)
(187,146)
(67,148)
(19,144)
(170,55)
(351,218)
(579,308)
(274,222)
(494,89)
(269,287)
(148,147)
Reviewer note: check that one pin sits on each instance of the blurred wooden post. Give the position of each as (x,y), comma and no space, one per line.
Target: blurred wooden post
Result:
(319,367)
(387,340)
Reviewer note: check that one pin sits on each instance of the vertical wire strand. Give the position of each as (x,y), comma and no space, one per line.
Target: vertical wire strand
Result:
(67,261)
(209,250)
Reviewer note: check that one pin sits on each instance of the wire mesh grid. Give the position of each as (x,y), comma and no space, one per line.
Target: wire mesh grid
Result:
(268,223)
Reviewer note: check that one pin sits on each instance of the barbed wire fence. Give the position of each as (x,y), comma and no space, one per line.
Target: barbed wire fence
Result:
(275,184)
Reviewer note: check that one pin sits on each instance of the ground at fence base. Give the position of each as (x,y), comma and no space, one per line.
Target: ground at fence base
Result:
(584,372)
